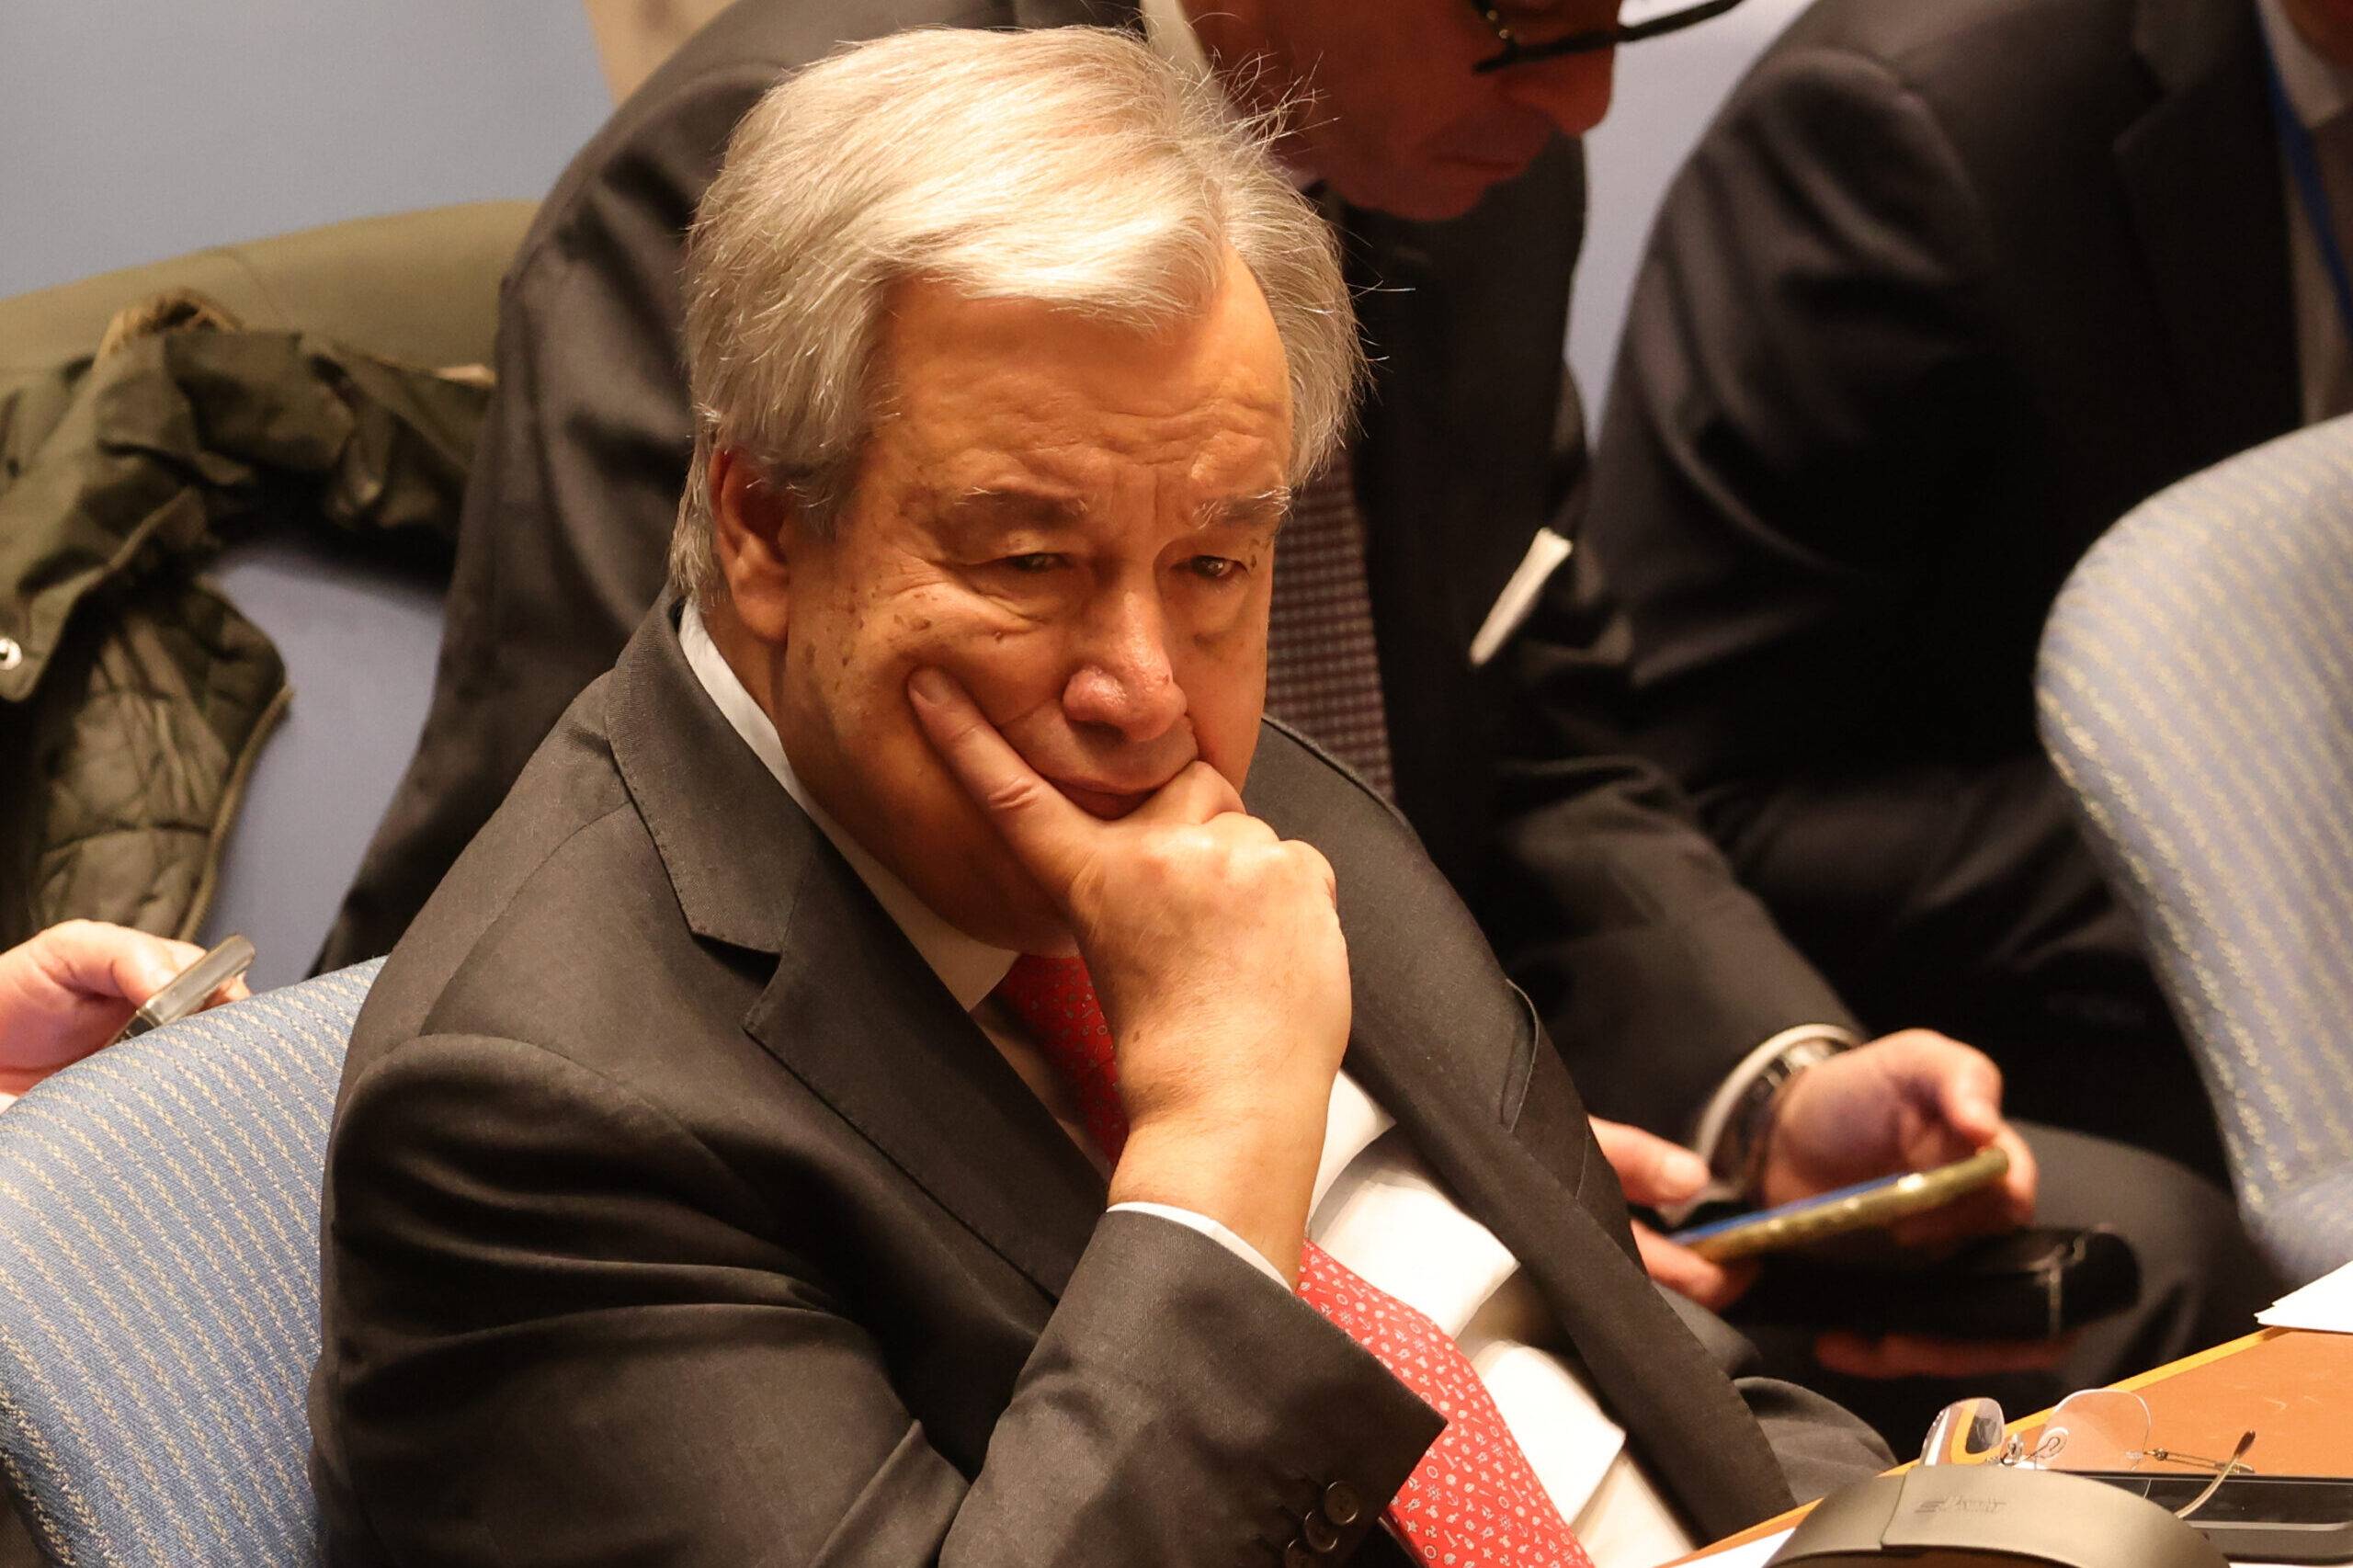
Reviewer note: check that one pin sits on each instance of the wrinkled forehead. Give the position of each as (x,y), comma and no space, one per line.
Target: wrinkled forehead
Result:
(1053,408)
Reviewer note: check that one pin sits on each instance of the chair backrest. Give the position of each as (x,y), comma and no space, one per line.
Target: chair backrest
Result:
(420,286)
(159,1304)
(359,635)
(2195,693)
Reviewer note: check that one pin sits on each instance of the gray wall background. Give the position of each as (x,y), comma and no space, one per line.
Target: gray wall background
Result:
(135,130)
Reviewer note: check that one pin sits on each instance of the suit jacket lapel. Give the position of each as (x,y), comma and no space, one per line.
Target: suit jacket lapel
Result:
(852,1010)
(2201,173)
(1688,1424)
(857,1015)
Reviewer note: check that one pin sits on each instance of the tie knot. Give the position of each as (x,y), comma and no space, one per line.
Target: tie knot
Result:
(1054,999)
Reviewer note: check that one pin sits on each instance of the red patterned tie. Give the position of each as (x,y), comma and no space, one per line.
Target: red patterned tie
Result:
(1473,1501)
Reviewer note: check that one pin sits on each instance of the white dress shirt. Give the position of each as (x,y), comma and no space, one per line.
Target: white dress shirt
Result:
(2319,92)
(1378,1210)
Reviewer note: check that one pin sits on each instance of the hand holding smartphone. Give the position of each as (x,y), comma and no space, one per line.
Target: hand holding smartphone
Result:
(1863,1206)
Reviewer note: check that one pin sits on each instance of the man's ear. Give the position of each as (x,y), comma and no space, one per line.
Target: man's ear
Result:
(753,525)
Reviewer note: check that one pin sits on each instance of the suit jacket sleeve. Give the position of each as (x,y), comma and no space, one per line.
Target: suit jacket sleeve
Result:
(1811,400)
(571,1335)
(1654,970)
(1819,1443)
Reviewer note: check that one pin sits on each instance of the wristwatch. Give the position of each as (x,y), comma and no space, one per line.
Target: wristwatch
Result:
(1737,1154)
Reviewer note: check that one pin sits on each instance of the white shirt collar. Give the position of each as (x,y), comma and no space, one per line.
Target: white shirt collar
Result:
(2318,88)
(967,967)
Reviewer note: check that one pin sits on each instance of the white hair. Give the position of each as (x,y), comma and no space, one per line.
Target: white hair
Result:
(1068,165)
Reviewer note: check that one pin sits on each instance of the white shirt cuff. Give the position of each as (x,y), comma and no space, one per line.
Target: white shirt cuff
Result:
(1212,1229)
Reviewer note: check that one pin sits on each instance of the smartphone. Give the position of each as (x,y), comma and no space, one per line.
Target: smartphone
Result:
(2268,1519)
(1859,1206)
(191,988)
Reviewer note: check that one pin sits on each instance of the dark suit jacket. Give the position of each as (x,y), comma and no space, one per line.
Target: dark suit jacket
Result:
(1946,290)
(675,1213)
(1469,442)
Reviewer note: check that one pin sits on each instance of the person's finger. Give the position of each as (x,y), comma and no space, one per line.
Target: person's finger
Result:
(2022,1182)
(89,958)
(1311,861)
(1199,793)
(1651,1170)
(1714,1286)
(1037,820)
(1923,1356)
(1968,1092)
(231,990)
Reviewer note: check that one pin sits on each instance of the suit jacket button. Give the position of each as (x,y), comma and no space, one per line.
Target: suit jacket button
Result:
(1341,1504)
(1296,1555)
(1319,1532)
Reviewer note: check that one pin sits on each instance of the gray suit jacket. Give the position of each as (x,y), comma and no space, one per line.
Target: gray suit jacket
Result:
(675,1213)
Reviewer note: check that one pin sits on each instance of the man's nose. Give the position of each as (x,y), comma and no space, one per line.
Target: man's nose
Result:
(1564,92)
(1124,680)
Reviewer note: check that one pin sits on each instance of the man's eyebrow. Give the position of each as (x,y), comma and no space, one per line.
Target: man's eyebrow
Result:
(1265,510)
(1045,505)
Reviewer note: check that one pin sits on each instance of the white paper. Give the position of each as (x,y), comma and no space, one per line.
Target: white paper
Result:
(1753,1555)
(2325,1305)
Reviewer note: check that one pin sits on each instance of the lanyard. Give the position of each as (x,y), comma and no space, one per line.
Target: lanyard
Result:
(2304,165)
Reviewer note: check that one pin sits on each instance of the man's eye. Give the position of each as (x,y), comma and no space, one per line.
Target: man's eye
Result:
(1033,564)
(1213,568)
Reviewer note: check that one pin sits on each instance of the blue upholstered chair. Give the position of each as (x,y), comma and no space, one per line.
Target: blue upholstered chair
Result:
(159,1304)
(2195,691)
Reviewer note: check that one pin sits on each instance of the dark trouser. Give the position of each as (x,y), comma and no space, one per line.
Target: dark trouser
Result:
(17,1548)
(2201,1282)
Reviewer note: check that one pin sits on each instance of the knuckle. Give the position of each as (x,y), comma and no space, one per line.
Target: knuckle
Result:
(1010,795)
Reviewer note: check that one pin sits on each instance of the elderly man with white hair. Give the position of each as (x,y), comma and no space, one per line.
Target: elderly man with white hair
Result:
(879,1091)
(1434,136)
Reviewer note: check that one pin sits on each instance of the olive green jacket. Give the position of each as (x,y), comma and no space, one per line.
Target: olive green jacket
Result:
(133,698)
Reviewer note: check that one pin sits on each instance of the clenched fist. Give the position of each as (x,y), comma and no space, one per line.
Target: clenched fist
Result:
(1216,950)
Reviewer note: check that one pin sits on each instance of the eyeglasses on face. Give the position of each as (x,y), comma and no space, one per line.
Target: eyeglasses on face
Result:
(1518,52)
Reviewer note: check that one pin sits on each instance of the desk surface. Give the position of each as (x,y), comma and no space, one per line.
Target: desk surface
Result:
(2294,1388)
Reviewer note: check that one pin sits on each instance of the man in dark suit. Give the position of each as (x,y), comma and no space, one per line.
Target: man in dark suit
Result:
(1469,441)
(721,1169)
(1945,290)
